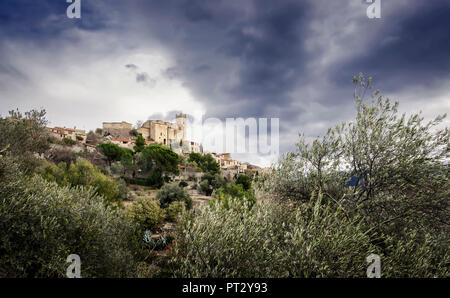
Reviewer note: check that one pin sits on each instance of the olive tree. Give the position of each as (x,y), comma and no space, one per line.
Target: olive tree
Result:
(397,162)
(24,135)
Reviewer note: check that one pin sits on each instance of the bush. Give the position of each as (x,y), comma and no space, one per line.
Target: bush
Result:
(82,173)
(117,168)
(206,187)
(278,240)
(233,191)
(170,193)
(23,136)
(146,214)
(61,154)
(270,240)
(155,179)
(158,159)
(42,223)
(68,142)
(114,152)
(204,162)
(210,182)
(245,181)
(192,178)
(123,189)
(183,184)
(174,210)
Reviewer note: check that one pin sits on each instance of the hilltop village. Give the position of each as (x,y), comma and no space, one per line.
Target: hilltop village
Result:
(168,134)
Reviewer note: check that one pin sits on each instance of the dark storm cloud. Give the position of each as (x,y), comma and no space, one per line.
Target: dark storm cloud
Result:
(411,47)
(239,61)
(272,57)
(43,20)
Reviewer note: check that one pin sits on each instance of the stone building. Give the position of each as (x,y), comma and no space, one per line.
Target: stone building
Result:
(165,133)
(196,147)
(117,129)
(68,133)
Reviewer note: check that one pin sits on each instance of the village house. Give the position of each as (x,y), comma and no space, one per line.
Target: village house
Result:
(227,163)
(68,133)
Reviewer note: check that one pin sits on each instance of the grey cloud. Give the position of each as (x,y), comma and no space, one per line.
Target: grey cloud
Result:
(131,66)
(169,116)
(172,73)
(142,77)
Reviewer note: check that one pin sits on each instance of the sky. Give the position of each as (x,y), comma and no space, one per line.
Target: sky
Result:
(292,60)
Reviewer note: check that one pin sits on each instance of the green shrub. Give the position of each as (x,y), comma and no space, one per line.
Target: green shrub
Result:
(270,240)
(113,152)
(245,181)
(233,191)
(42,223)
(170,193)
(82,173)
(413,255)
(155,179)
(157,159)
(206,188)
(204,162)
(52,172)
(117,168)
(174,210)
(210,182)
(123,189)
(68,142)
(23,135)
(276,240)
(146,214)
(183,184)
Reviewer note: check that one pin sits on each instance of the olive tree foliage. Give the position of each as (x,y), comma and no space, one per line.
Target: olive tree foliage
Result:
(24,135)
(396,161)
(277,240)
(42,223)
(170,193)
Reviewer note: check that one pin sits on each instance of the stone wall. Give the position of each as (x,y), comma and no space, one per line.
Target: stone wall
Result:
(117,129)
